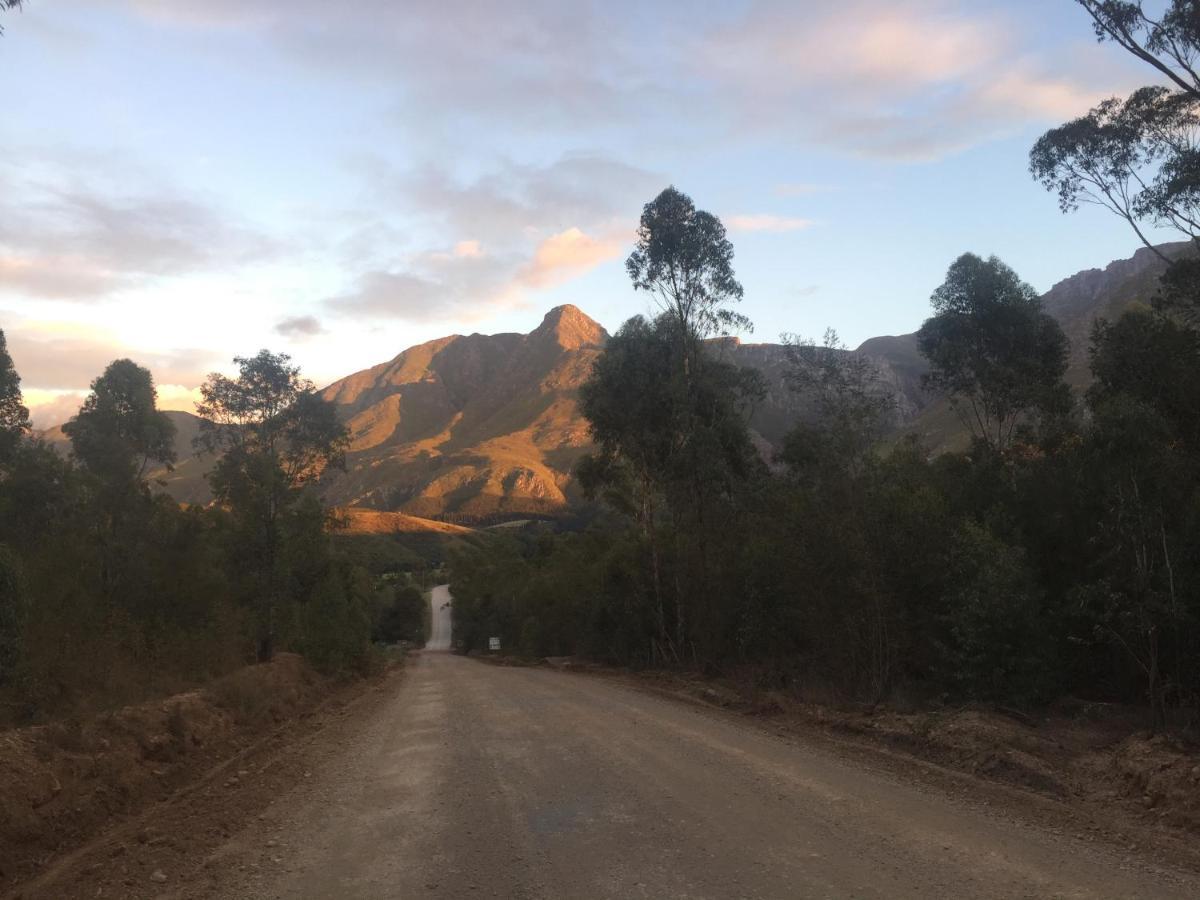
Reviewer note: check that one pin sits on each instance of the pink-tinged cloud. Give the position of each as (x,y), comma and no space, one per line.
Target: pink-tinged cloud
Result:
(911,80)
(765,222)
(50,408)
(468,249)
(567,255)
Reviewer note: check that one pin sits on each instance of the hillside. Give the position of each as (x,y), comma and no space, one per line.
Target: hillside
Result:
(473,426)
(481,428)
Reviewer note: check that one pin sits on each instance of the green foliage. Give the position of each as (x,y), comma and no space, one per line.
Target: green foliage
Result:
(110,593)
(13,613)
(14,417)
(673,451)
(685,260)
(276,436)
(119,432)
(993,350)
(1063,563)
(996,649)
(1154,361)
(1137,157)
(402,617)
(849,401)
(334,624)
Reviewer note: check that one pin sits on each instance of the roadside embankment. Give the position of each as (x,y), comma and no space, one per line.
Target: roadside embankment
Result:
(67,782)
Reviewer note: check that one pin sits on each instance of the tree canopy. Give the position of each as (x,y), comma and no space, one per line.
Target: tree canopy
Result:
(14,416)
(275,435)
(1137,157)
(992,349)
(684,259)
(119,432)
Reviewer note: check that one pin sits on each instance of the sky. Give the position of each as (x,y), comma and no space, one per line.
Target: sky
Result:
(183,181)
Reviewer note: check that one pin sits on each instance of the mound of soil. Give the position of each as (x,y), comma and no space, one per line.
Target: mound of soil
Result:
(63,782)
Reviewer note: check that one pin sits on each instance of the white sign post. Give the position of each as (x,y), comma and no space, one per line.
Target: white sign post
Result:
(493,643)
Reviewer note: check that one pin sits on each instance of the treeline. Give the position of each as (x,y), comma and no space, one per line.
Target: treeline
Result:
(1056,556)
(110,591)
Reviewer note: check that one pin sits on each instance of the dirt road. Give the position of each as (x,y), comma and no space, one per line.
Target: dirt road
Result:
(477,780)
(439,601)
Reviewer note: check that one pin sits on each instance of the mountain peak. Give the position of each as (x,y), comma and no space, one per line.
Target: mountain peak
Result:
(571,328)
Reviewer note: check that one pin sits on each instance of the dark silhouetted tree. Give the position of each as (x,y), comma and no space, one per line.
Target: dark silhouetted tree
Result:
(14,417)
(275,435)
(1138,157)
(119,433)
(993,350)
(848,401)
(685,260)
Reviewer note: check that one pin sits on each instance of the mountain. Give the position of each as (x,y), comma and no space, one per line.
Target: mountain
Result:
(479,427)
(474,426)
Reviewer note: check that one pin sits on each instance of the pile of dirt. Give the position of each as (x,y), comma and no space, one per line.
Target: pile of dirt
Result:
(63,782)
(1159,772)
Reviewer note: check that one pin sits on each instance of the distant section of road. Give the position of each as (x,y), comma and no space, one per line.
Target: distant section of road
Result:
(485,781)
(440,599)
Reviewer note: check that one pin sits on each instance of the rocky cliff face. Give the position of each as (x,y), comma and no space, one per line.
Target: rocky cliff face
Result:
(473,426)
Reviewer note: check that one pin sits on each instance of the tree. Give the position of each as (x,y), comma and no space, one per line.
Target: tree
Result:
(850,405)
(1138,157)
(9,4)
(276,435)
(667,442)
(993,350)
(1154,361)
(14,417)
(119,432)
(685,260)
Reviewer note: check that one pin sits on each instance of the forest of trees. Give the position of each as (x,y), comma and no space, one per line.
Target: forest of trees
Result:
(1055,557)
(110,591)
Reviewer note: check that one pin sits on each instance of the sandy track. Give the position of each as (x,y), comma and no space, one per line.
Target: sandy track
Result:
(475,780)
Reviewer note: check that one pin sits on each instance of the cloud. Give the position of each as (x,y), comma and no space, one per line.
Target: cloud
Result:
(511,203)
(399,295)
(469,249)
(896,79)
(540,64)
(566,255)
(905,80)
(765,222)
(82,229)
(441,286)
(50,408)
(61,357)
(508,231)
(299,327)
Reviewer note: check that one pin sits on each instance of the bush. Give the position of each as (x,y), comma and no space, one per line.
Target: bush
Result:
(996,650)
(403,619)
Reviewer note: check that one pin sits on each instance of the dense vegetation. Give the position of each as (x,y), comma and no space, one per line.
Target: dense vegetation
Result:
(110,591)
(1055,557)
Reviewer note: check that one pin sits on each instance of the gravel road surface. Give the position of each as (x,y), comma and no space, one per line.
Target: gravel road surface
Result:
(477,780)
(439,600)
